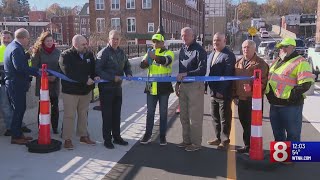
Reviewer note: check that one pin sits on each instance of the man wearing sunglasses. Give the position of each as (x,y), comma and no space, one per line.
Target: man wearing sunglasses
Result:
(289,77)
(159,63)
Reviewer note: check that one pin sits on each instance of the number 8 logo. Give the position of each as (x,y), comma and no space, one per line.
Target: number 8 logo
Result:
(280,151)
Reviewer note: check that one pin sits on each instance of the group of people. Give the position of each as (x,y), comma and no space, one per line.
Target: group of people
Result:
(284,84)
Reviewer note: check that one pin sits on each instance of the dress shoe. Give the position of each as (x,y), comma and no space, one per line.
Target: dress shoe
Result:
(7,133)
(214,142)
(27,137)
(243,149)
(108,144)
(25,129)
(86,140)
(19,141)
(120,141)
(223,145)
(68,144)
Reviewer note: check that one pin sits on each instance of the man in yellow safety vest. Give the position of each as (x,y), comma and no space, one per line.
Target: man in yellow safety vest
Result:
(289,77)
(159,63)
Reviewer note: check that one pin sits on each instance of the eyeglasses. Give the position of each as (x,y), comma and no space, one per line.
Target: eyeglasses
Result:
(285,46)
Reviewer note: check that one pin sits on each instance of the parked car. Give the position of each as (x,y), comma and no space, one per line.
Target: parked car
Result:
(262,47)
(301,48)
(262,29)
(270,49)
(264,34)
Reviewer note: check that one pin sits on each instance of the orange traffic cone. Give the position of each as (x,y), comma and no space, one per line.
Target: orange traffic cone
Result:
(44,143)
(44,115)
(256,150)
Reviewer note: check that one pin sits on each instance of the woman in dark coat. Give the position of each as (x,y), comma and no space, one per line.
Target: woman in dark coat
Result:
(45,52)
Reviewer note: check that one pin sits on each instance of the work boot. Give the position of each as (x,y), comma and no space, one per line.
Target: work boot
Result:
(68,144)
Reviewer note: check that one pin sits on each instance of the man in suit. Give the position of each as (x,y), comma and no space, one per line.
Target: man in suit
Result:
(221,63)
(17,81)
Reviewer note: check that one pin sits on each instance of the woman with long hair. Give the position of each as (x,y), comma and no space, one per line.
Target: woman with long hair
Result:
(45,52)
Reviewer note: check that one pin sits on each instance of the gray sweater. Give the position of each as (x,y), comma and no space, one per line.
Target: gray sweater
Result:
(52,61)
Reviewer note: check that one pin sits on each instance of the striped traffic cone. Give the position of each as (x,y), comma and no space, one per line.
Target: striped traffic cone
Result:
(256,150)
(44,115)
(44,143)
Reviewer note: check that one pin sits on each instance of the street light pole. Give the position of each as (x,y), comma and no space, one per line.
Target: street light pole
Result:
(160,27)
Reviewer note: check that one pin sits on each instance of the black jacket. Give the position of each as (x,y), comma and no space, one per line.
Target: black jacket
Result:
(111,63)
(78,69)
(224,65)
(296,97)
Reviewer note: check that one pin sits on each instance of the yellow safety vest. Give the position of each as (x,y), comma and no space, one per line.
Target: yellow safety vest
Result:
(158,70)
(2,49)
(283,79)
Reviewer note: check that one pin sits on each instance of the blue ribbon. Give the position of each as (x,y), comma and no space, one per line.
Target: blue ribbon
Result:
(159,79)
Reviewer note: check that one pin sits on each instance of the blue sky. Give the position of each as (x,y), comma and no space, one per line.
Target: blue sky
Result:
(43,4)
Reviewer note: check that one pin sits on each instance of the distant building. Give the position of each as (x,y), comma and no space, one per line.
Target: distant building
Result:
(303,25)
(66,26)
(215,18)
(37,16)
(83,21)
(138,20)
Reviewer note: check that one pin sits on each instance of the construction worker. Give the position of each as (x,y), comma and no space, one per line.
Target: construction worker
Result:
(290,76)
(159,65)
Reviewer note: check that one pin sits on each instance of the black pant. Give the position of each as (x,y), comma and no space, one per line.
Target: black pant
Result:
(54,101)
(244,111)
(222,115)
(111,101)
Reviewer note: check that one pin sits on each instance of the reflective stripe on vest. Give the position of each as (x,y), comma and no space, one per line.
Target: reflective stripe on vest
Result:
(281,82)
(158,70)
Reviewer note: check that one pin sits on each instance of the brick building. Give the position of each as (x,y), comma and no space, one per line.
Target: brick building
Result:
(83,25)
(139,19)
(66,26)
(37,16)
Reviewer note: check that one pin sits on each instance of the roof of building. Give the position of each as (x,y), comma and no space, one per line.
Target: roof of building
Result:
(84,11)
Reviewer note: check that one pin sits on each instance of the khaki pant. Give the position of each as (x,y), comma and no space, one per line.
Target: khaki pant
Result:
(75,104)
(191,100)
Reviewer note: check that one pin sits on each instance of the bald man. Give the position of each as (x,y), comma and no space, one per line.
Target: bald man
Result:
(78,64)
(221,63)
(17,82)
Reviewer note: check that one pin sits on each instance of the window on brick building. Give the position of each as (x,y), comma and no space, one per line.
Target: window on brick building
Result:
(146,4)
(150,27)
(99,4)
(115,24)
(83,31)
(131,4)
(100,22)
(115,4)
(131,24)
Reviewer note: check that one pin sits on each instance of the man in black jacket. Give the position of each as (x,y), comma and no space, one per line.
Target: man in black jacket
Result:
(79,65)
(112,63)
(221,62)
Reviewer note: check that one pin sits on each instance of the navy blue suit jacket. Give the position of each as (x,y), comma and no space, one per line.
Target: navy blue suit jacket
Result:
(16,67)
(223,66)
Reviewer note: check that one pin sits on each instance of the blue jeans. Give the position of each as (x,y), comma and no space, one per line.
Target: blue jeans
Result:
(286,122)
(5,107)
(152,101)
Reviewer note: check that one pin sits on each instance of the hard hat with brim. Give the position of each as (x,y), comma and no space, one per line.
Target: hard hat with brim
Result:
(157,37)
(286,42)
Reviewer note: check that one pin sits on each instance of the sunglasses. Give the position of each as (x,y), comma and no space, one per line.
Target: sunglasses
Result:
(155,41)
